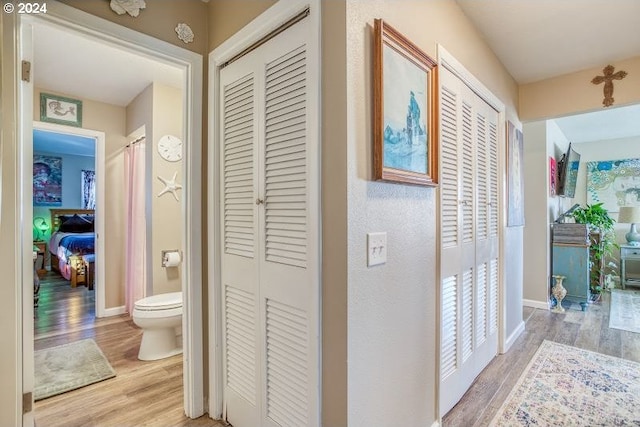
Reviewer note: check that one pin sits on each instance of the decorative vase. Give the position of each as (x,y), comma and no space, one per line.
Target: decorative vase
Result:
(559,292)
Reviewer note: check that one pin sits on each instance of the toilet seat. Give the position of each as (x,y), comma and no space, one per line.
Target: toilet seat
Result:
(160,302)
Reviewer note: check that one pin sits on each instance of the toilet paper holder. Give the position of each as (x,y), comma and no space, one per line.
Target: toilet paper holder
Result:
(165,256)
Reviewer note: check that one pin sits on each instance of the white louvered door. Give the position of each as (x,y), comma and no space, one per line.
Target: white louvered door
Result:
(469,237)
(270,264)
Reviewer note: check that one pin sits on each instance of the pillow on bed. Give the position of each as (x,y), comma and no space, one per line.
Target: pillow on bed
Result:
(76,224)
(89,218)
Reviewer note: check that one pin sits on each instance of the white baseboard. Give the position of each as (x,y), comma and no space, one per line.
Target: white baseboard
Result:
(542,305)
(114,311)
(513,337)
(435,424)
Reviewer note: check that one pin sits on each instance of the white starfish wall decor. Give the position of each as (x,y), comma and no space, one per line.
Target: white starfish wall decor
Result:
(171,186)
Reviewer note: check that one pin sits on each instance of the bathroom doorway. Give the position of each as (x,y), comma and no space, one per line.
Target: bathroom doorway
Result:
(86,27)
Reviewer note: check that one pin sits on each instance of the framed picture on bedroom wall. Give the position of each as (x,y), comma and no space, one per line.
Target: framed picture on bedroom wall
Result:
(47,180)
(404,116)
(515,176)
(60,110)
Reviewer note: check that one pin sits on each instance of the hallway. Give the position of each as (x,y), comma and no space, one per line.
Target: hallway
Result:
(589,330)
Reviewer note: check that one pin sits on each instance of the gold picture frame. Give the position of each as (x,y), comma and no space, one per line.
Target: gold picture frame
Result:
(404,102)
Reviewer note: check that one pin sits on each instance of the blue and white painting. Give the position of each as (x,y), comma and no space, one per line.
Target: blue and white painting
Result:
(405,102)
(615,183)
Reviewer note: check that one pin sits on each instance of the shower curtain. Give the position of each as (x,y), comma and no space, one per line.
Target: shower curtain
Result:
(135,251)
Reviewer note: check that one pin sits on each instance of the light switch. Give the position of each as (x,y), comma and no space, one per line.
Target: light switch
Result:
(376,248)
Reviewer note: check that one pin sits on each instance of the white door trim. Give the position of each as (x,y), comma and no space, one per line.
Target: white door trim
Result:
(263,25)
(100,139)
(124,38)
(448,61)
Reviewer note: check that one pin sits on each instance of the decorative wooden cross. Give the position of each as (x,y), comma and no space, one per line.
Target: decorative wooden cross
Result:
(608,79)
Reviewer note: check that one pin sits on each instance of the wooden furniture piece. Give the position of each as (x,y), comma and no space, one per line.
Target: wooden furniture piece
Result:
(41,258)
(570,249)
(572,261)
(55,224)
(628,253)
(78,272)
(89,266)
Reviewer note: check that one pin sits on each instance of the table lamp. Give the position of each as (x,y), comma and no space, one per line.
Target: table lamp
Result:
(41,225)
(630,215)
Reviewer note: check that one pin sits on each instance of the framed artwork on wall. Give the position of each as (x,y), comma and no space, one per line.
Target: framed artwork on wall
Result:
(615,183)
(60,110)
(47,181)
(404,116)
(515,176)
(553,176)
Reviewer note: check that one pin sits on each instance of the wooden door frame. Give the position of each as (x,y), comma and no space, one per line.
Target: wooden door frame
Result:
(72,19)
(448,61)
(272,19)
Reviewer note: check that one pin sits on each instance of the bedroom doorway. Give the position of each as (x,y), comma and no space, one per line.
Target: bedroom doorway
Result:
(189,65)
(78,280)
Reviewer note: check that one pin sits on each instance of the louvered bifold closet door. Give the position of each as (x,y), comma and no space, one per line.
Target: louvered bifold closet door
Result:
(468,225)
(239,227)
(487,238)
(289,262)
(284,206)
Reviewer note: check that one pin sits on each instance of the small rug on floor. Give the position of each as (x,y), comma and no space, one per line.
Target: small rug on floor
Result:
(569,386)
(625,310)
(68,367)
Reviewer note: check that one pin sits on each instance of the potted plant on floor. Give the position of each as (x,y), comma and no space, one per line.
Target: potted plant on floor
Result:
(601,226)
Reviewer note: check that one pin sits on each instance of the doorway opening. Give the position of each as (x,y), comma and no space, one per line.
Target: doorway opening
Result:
(74,30)
(68,180)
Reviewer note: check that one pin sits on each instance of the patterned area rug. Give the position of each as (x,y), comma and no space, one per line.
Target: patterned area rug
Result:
(68,367)
(568,386)
(625,310)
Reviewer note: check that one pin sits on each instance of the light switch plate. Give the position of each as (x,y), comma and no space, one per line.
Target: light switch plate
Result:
(376,248)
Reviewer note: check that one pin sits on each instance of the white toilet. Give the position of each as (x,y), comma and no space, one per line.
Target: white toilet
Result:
(159,317)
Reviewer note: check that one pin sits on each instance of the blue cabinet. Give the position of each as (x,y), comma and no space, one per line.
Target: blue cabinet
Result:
(572,261)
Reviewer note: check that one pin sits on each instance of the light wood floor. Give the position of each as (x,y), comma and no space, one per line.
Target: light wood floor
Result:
(150,393)
(589,330)
(142,393)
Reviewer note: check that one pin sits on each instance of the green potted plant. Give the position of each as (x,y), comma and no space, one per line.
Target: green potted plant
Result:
(602,265)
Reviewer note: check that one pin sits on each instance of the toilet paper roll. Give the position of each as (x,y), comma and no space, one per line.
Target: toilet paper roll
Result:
(172,259)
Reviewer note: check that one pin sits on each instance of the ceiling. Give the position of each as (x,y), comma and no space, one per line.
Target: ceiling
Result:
(82,67)
(59,143)
(539,39)
(534,39)
(615,123)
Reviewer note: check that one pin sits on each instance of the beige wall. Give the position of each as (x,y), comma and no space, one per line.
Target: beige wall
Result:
(574,93)
(334,214)
(166,211)
(227,17)
(543,139)
(111,120)
(158,19)
(392,313)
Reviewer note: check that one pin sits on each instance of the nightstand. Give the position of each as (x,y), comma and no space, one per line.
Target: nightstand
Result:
(42,257)
(628,253)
